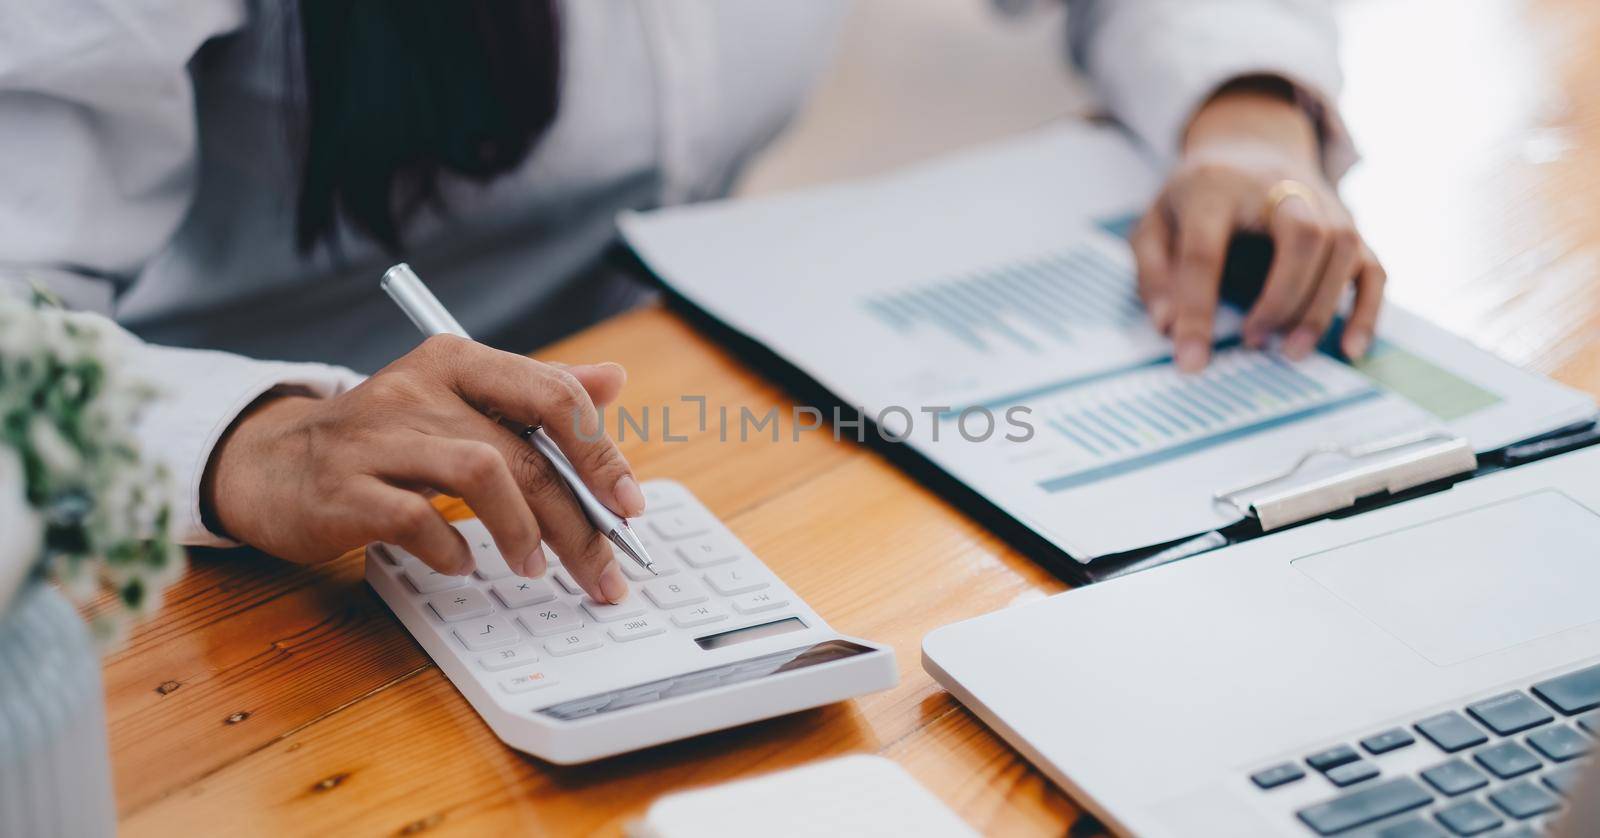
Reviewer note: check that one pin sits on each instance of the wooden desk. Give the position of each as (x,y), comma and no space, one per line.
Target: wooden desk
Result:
(273,698)
(268,698)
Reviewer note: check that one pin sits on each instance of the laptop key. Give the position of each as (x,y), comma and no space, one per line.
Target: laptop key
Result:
(1563,779)
(1363,806)
(1332,758)
(1352,772)
(1451,731)
(1410,828)
(1455,777)
(1559,744)
(1572,693)
(1468,817)
(1506,759)
(1523,800)
(1389,740)
(1509,713)
(1590,722)
(1277,775)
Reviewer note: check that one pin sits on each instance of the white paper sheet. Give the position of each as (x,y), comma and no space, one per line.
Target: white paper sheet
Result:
(985,282)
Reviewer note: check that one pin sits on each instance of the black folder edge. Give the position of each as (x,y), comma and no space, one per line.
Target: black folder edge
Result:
(1245,261)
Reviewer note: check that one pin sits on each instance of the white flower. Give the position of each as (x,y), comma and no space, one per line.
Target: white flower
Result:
(54,450)
(61,387)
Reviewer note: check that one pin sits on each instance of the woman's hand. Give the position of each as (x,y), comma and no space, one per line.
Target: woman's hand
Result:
(1243,155)
(308,479)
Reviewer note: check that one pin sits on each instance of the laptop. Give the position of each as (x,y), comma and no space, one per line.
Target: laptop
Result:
(1429,668)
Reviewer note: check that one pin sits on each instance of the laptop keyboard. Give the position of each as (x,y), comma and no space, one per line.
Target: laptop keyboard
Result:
(1505,763)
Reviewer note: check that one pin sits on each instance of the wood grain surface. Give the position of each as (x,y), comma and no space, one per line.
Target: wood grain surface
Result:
(268,698)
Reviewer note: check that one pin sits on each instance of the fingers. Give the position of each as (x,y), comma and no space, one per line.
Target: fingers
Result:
(1204,230)
(583,551)
(538,394)
(1344,260)
(1152,246)
(398,516)
(1363,320)
(1299,256)
(602,381)
(476,472)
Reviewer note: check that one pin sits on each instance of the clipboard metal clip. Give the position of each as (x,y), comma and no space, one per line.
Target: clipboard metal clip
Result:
(1334,477)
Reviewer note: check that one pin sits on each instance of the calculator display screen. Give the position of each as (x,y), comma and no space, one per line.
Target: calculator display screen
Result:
(764,666)
(748,633)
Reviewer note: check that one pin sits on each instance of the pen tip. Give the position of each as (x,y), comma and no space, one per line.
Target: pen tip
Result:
(628,543)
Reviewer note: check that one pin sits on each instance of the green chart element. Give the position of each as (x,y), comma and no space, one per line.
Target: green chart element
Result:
(1432,388)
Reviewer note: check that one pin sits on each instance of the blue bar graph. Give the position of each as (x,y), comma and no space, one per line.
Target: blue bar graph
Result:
(1026,305)
(1154,413)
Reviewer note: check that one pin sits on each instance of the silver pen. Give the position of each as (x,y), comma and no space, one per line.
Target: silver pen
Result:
(406,289)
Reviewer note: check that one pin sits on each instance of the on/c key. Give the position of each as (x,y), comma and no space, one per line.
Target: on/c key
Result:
(525,681)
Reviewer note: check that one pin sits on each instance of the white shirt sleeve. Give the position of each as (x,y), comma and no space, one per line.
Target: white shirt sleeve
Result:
(97,169)
(200,393)
(1155,62)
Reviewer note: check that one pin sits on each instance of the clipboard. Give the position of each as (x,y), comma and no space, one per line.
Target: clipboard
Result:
(1378,473)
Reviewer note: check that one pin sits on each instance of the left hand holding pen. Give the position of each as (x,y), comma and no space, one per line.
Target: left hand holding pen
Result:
(1251,162)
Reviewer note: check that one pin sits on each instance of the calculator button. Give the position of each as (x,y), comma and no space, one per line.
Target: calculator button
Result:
(425,579)
(661,498)
(698,615)
(549,619)
(734,580)
(630,607)
(758,602)
(709,550)
(486,634)
(660,560)
(518,592)
(572,643)
(679,523)
(568,584)
(490,564)
(526,681)
(507,657)
(635,628)
(674,593)
(460,605)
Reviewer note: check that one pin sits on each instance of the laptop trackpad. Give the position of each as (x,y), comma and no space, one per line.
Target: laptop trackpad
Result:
(1475,582)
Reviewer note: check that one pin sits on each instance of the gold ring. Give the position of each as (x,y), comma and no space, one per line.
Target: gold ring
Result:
(1282,191)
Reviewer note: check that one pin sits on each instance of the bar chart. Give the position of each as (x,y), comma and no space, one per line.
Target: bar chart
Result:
(1051,301)
(1153,413)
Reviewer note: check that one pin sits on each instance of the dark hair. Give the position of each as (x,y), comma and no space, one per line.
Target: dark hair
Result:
(399,91)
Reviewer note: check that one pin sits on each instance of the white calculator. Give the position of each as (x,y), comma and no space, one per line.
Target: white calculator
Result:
(714,641)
